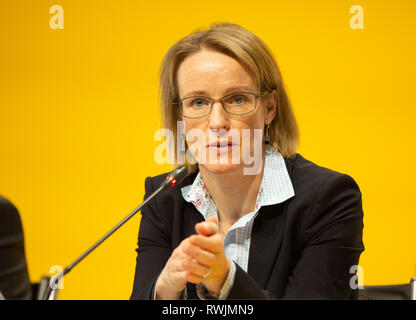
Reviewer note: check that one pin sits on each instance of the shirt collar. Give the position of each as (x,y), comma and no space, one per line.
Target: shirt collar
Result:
(276,186)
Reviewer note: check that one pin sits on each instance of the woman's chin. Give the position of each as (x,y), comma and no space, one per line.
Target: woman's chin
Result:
(220,168)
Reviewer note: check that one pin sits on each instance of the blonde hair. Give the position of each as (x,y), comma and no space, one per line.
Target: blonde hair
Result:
(254,56)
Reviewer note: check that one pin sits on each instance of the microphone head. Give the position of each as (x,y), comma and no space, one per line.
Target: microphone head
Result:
(176,176)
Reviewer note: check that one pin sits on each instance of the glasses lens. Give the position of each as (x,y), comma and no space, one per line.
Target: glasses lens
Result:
(195,107)
(240,103)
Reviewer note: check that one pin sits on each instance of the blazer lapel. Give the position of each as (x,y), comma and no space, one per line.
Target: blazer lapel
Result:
(265,243)
(266,238)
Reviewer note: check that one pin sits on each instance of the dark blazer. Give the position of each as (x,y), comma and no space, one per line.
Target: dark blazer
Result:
(14,277)
(302,248)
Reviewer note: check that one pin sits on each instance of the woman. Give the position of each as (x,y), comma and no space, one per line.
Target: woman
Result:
(291,229)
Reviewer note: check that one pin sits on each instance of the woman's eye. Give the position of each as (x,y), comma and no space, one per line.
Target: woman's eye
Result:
(237,100)
(199,103)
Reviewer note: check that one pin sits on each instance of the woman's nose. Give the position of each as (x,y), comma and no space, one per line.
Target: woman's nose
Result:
(218,118)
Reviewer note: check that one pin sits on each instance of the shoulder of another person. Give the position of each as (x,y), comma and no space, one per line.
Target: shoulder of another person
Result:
(4,201)
(10,221)
(7,206)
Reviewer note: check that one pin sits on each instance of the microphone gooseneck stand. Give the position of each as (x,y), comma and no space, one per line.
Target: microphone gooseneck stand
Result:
(173,178)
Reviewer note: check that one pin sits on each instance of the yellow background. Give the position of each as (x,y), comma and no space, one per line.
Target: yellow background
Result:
(79,108)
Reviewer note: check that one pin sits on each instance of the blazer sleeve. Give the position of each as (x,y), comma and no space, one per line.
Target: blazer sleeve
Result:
(154,248)
(332,244)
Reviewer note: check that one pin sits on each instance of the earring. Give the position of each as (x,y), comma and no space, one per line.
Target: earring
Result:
(181,144)
(266,135)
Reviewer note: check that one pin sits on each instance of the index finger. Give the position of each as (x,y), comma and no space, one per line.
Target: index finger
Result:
(213,244)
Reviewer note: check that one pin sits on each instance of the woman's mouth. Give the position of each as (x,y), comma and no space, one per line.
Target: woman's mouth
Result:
(220,147)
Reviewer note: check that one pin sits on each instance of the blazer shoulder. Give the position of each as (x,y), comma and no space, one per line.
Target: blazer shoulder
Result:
(306,172)
(318,187)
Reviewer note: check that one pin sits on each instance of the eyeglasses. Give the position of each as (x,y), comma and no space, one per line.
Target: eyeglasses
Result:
(235,103)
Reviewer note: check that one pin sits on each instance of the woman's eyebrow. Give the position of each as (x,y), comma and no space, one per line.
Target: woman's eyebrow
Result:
(231,89)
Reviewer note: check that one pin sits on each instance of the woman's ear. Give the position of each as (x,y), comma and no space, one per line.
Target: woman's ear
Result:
(270,109)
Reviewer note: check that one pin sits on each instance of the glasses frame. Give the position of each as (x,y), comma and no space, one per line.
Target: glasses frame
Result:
(256,96)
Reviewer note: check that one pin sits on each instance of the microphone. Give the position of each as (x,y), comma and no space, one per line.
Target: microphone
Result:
(176,176)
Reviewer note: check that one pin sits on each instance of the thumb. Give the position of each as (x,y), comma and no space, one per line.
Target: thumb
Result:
(208,227)
(213,220)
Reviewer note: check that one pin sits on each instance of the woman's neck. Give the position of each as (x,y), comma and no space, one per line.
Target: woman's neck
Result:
(234,193)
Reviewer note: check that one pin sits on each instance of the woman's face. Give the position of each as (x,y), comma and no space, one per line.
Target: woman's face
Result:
(212,74)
